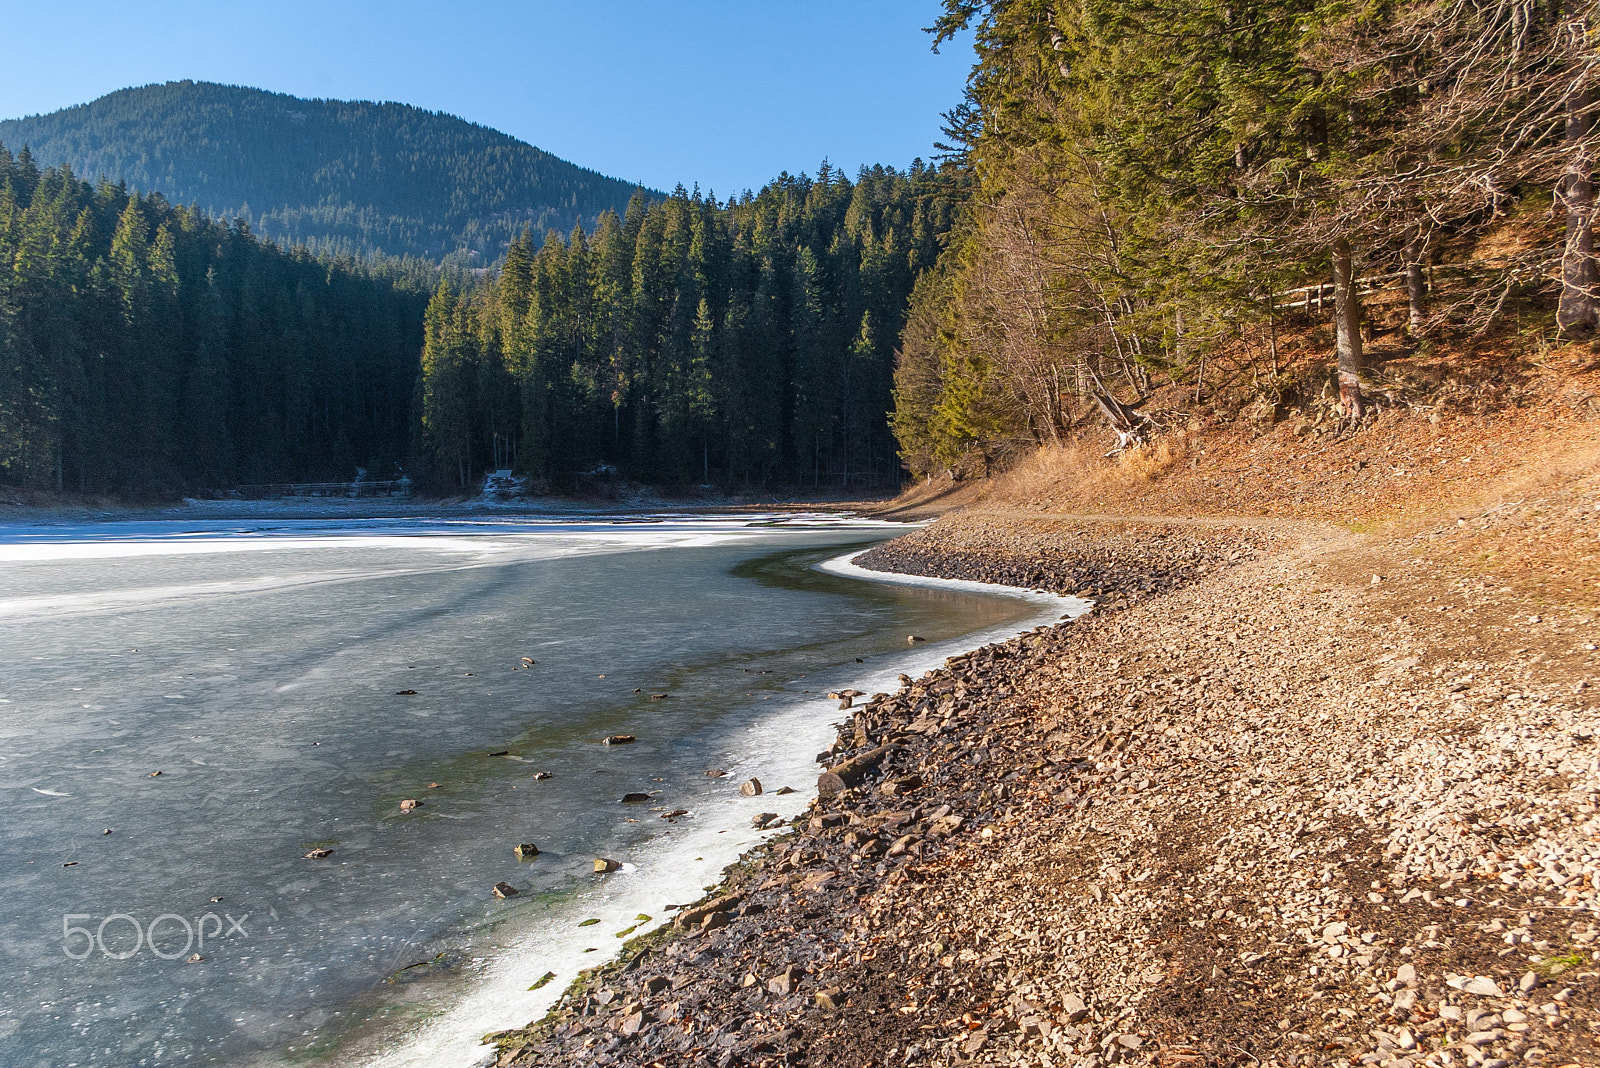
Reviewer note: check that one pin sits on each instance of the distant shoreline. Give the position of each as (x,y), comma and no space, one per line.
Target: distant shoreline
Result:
(15,512)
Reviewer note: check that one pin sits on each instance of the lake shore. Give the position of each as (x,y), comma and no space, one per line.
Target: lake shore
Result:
(1288,796)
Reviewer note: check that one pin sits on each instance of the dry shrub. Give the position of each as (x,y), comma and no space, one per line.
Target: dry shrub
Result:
(1052,472)
(1049,471)
(1149,462)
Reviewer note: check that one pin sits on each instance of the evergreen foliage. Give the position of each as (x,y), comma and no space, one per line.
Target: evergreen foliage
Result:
(339,177)
(147,348)
(691,341)
(1148,173)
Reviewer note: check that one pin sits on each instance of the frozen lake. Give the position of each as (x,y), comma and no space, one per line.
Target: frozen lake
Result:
(226,697)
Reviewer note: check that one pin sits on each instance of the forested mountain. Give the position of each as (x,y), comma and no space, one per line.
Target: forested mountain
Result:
(1151,178)
(340,177)
(146,348)
(686,340)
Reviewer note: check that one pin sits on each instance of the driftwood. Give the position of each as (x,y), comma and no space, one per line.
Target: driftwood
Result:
(690,917)
(839,778)
(1130,424)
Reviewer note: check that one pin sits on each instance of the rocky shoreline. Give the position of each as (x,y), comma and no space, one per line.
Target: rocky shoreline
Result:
(1203,825)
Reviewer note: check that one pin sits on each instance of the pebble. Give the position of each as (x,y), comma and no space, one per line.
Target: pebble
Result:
(1184,825)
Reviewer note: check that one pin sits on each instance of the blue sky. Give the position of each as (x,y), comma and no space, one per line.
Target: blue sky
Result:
(726,94)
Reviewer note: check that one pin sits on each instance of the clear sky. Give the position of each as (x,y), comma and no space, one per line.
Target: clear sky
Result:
(726,93)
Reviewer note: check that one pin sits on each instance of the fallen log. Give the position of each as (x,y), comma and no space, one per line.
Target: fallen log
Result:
(690,917)
(841,777)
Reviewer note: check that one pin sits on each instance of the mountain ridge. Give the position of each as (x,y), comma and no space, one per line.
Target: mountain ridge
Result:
(338,176)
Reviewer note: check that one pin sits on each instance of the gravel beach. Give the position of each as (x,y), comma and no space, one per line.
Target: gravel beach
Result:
(1287,796)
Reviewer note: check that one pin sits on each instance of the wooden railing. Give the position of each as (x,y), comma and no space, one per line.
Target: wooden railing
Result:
(1317,297)
(1321,296)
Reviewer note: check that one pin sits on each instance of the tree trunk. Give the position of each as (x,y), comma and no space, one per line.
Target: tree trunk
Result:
(1578,313)
(1347,329)
(1416,281)
(841,777)
(1128,423)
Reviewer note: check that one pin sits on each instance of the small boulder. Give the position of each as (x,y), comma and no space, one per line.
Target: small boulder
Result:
(901,786)
(604,864)
(830,998)
(785,982)
(619,739)
(759,820)
(750,788)
(715,773)
(408,804)
(635,797)
(319,854)
(526,851)
(505,890)
(914,639)
(405,693)
(541,775)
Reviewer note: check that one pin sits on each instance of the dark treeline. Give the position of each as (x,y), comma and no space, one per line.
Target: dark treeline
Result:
(689,341)
(147,349)
(1149,173)
(339,177)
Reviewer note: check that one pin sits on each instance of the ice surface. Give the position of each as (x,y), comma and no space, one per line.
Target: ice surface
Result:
(260,671)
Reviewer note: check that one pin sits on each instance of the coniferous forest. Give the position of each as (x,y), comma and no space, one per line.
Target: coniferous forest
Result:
(146,349)
(1130,188)
(749,342)
(340,177)
(1152,181)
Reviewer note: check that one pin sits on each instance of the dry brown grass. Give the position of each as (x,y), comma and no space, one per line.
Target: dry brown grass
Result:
(1149,462)
(1081,471)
